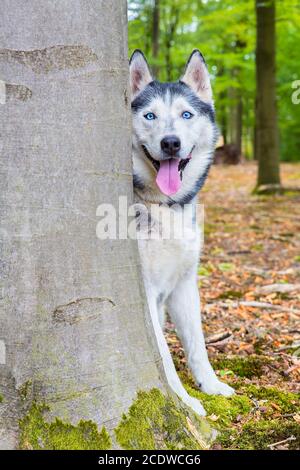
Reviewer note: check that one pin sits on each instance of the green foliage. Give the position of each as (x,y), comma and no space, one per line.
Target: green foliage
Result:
(36,433)
(225,32)
(204,271)
(288,37)
(226,267)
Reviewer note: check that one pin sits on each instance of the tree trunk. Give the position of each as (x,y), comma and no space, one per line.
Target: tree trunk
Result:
(75,329)
(223,117)
(224,124)
(239,125)
(236,115)
(155,35)
(236,120)
(171,26)
(76,338)
(267,145)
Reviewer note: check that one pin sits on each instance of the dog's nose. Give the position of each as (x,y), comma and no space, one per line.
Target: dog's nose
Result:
(170,144)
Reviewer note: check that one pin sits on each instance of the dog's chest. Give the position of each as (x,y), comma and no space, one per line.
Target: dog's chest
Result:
(169,250)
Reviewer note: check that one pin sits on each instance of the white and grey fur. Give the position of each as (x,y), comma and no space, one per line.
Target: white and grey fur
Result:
(170,266)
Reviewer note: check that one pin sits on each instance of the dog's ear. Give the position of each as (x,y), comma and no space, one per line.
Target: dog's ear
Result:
(139,72)
(196,76)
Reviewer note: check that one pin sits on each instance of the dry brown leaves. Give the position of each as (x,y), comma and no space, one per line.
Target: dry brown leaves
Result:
(251,242)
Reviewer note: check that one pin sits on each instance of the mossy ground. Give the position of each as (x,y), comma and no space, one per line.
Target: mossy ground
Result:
(256,416)
(250,241)
(36,433)
(251,366)
(155,421)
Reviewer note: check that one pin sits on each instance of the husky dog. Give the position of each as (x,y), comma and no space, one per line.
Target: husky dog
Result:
(174,136)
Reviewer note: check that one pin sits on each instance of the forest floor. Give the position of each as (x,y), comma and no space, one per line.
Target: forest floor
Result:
(249,281)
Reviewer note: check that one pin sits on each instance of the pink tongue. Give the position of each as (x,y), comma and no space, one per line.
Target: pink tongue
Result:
(168,176)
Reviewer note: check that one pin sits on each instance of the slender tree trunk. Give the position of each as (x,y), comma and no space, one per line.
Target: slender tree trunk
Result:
(236,115)
(267,145)
(171,30)
(223,111)
(232,115)
(236,121)
(224,124)
(155,35)
(255,141)
(248,140)
(239,124)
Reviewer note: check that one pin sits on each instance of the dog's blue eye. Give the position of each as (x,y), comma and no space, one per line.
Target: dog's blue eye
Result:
(187,115)
(150,116)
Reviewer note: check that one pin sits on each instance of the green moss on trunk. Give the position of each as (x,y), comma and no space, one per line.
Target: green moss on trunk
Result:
(36,433)
(155,421)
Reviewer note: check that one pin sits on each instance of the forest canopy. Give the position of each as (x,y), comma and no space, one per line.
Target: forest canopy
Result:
(225,32)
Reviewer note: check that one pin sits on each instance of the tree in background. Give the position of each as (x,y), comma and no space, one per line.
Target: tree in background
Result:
(186,25)
(225,32)
(267,138)
(155,34)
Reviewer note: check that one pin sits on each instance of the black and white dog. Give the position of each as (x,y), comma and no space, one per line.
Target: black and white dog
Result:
(174,136)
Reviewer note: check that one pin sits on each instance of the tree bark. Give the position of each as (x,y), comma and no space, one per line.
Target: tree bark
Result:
(236,114)
(239,124)
(75,327)
(223,112)
(155,35)
(171,26)
(267,141)
(236,119)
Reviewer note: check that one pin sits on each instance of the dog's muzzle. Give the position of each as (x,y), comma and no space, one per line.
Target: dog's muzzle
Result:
(181,166)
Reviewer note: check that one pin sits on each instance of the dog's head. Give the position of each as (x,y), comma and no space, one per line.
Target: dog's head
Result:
(174,131)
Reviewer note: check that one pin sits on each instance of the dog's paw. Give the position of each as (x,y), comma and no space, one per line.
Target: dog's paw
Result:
(195,405)
(215,387)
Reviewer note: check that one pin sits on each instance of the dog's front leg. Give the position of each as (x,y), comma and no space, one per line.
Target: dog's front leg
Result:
(184,309)
(168,365)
